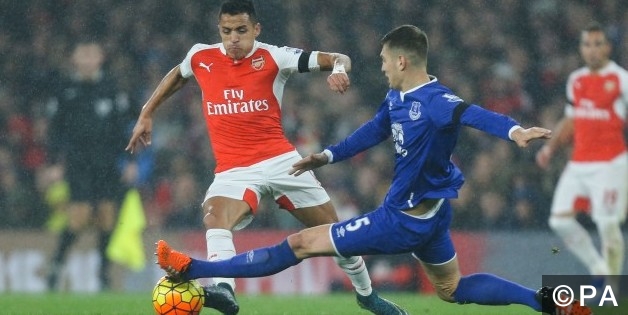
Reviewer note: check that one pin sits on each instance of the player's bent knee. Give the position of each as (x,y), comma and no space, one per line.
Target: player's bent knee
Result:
(446,293)
(297,243)
(304,245)
(445,290)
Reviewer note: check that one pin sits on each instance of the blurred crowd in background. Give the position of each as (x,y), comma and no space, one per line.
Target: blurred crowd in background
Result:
(509,56)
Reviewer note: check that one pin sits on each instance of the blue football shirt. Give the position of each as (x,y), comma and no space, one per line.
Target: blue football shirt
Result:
(424,123)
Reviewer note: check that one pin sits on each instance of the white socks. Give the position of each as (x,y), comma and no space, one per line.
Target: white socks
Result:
(355,268)
(579,242)
(612,241)
(219,247)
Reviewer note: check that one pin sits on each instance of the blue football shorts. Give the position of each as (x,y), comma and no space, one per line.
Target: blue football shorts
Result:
(387,232)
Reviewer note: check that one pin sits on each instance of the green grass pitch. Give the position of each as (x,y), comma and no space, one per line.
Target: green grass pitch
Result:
(333,304)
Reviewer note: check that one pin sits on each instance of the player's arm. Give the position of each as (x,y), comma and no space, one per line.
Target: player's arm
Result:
(330,61)
(366,136)
(339,65)
(564,128)
(497,124)
(172,82)
(564,133)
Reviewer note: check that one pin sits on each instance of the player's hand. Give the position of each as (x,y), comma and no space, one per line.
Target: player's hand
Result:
(308,163)
(543,157)
(338,82)
(141,133)
(523,136)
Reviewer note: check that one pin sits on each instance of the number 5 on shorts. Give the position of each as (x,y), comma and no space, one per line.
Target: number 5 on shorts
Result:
(353,226)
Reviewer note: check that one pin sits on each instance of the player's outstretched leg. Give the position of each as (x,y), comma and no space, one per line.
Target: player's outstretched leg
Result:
(222,298)
(260,262)
(545,295)
(378,305)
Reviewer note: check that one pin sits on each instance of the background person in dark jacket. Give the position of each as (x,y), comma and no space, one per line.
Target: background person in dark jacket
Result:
(89,116)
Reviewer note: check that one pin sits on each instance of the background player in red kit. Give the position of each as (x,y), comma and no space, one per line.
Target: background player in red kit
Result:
(594,122)
(242,82)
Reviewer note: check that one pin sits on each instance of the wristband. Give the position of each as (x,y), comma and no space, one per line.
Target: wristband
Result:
(338,68)
(330,156)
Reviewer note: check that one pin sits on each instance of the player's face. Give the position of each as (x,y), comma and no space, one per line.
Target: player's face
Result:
(238,34)
(595,49)
(389,67)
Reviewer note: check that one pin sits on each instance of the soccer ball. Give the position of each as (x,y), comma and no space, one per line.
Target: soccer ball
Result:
(184,298)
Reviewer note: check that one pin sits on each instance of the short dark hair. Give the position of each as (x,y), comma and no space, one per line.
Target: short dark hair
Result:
(235,7)
(410,39)
(595,27)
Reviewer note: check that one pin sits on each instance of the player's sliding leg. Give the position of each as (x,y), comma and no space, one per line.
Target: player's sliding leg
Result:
(579,242)
(488,289)
(482,289)
(353,266)
(262,262)
(255,263)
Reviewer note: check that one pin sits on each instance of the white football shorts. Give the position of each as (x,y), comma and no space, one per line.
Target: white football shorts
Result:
(604,183)
(269,178)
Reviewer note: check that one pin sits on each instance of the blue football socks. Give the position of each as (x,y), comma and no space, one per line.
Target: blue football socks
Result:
(255,263)
(487,289)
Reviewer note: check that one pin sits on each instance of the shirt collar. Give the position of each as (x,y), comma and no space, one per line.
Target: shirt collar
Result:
(432,80)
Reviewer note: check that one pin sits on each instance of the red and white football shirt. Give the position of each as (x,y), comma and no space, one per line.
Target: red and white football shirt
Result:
(598,104)
(242,100)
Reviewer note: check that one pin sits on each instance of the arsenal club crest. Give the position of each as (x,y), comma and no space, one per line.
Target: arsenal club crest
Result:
(258,63)
(610,86)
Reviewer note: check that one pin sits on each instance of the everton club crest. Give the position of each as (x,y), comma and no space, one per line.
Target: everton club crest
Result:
(415,110)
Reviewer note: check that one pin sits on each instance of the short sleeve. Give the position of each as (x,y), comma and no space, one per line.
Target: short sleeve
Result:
(186,65)
(287,58)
